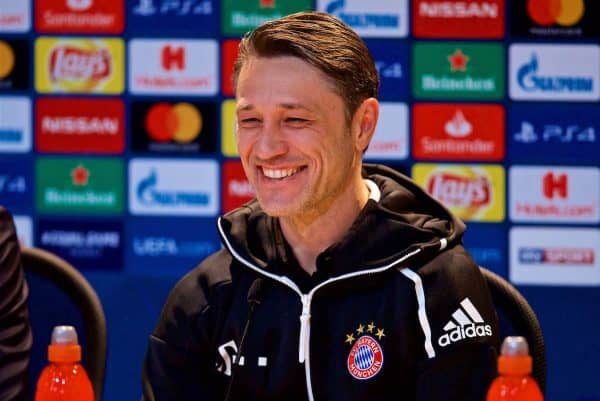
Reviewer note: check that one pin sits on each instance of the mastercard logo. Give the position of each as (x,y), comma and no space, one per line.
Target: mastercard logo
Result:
(561,12)
(7,59)
(180,122)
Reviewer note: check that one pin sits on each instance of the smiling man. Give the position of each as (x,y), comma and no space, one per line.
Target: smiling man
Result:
(341,280)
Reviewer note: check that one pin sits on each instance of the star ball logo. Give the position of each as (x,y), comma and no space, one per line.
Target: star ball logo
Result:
(365,358)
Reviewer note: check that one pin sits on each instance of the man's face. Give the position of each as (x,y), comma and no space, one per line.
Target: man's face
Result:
(292,136)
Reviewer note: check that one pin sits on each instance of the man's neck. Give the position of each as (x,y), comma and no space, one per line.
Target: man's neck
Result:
(310,237)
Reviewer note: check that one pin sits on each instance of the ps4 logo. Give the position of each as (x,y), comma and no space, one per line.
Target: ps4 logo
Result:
(148,8)
(555,133)
(13,184)
(389,70)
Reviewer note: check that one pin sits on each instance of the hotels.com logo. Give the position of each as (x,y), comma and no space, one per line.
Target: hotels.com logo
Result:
(555,185)
(71,63)
(455,190)
(172,57)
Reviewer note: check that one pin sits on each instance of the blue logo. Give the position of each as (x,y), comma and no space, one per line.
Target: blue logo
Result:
(184,17)
(87,244)
(487,244)
(529,80)
(149,195)
(391,60)
(16,184)
(170,246)
(362,20)
(554,133)
(531,255)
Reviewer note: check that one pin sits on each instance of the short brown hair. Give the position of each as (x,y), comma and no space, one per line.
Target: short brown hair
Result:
(323,41)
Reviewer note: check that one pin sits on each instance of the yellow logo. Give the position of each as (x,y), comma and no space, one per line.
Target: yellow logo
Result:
(228,142)
(471,192)
(78,65)
(7,59)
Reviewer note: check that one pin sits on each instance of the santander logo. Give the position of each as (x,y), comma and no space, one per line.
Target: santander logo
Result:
(455,190)
(79,5)
(74,63)
(458,126)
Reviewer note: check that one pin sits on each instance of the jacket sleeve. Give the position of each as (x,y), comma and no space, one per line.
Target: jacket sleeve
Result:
(180,358)
(460,362)
(15,331)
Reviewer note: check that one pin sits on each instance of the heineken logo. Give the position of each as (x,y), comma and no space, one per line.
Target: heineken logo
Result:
(458,70)
(79,185)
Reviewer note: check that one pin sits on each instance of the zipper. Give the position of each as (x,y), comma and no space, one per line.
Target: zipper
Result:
(306,299)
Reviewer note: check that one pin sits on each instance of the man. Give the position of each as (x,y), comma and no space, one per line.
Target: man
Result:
(15,332)
(341,281)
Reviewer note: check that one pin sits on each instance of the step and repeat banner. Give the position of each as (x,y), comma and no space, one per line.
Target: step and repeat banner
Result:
(117,120)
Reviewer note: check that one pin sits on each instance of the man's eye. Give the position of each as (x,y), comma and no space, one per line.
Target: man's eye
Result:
(250,120)
(295,120)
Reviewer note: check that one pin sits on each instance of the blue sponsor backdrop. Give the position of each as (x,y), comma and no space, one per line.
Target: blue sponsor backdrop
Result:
(134,277)
(168,245)
(87,243)
(16,183)
(562,133)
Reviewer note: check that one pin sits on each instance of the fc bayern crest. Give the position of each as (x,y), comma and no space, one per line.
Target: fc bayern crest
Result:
(365,358)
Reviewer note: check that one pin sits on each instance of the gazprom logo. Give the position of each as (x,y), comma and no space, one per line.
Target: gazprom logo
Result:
(149,194)
(164,187)
(383,18)
(530,80)
(362,20)
(554,72)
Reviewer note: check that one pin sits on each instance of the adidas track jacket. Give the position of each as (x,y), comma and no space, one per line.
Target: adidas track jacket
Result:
(397,310)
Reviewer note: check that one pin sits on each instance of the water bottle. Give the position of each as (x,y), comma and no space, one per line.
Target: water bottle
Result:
(514,382)
(64,378)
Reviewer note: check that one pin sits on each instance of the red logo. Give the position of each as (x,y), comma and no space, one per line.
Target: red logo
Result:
(555,185)
(365,358)
(569,256)
(74,63)
(458,61)
(455,190)
(80,176)
(229,53)
(458,19)
(172,57)
(181,122)
(267,3)
(236,189)
(79,16)
(458,131)
(80,125)
(549,12)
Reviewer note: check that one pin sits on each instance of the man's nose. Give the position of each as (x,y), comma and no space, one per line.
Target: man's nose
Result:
(271,141)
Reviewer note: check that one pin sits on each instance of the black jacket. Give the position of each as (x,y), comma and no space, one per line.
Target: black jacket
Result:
(397,310)
(15,332)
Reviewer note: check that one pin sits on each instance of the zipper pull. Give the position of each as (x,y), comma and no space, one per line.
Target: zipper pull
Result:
(304,329)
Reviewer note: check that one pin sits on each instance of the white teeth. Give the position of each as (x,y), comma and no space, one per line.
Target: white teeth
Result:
(279,173)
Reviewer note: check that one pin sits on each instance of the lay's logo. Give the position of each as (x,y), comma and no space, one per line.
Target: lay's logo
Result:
(455,190)
(472,192)
(74,63)
(78,65)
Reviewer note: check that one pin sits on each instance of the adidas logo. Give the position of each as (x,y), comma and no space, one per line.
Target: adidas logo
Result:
(466,322)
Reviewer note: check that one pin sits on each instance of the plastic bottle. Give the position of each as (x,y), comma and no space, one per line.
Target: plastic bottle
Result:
(64,379)
(514,382)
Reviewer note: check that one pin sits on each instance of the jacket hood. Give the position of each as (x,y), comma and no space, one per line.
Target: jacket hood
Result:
(405,218)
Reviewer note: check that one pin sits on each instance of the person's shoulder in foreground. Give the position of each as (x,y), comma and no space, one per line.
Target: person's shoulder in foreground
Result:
(15,332)
(340,281)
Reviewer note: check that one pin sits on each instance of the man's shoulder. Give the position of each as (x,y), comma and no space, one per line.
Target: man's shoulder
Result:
(211,272)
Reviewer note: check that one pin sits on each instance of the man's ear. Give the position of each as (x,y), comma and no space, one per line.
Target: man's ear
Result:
(364,123)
